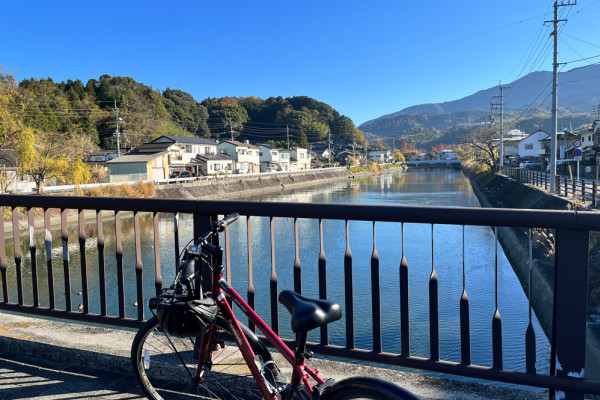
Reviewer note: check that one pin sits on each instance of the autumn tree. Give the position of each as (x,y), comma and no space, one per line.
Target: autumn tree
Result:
(484,145)
(398,156)
(45,156)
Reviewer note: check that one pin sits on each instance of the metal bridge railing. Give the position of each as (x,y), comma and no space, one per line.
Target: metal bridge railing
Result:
(568,338)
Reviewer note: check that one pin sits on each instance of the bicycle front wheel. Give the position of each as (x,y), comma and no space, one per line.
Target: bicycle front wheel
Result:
(165,366)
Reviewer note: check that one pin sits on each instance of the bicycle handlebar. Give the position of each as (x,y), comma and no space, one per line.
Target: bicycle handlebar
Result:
(227,220)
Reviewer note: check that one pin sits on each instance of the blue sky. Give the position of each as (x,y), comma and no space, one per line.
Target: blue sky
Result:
(364,58)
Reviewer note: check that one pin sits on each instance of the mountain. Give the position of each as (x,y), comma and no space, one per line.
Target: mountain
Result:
(578,92)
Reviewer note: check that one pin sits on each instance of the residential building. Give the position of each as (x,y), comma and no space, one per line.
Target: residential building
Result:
(299,159)
(100,157)
(532,147)
(273,158)
(380,156)
(182,157)
(215,164)
(246,155)
(135,166)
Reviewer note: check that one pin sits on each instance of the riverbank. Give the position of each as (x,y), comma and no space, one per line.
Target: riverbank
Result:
(231,188)
(497,191)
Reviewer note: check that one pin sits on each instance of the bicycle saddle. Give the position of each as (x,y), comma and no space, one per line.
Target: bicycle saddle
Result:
(308,313)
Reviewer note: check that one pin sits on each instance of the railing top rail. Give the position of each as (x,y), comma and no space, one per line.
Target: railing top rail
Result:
(436,215)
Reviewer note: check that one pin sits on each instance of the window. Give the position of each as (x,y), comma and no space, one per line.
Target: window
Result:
(528,147)
(301,155)
(188,148)
(207,150)
(260,154)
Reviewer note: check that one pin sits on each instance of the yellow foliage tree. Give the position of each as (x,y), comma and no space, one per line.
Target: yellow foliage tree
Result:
(51,155)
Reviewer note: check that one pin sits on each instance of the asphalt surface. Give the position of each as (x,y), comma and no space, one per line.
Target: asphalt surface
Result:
(49,359)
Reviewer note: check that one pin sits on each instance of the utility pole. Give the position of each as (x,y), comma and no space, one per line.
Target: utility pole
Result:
(501,104)
(117,134)
(553,134)
(231,128)
(287,130)
(329,146)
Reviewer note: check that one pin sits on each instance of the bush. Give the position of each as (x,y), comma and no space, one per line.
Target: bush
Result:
(138,190)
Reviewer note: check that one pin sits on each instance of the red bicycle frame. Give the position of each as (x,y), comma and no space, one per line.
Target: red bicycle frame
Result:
(300,372)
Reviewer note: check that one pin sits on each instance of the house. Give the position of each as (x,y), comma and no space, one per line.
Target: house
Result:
(299,159)
(511,141)
(532,146)
(590,141)
(100,157)
(273,158)
(246,155)
(9,164)
(564,146)
(445,155)
(342,156)
(380,156)
(135,166)
(320,152)
(186,151)
(215,164)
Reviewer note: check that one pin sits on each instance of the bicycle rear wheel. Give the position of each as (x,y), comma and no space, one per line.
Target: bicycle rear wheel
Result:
(165,366)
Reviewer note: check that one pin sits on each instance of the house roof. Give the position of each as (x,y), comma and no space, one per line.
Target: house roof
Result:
(137,157)
(152,146)
(214,157)
(8,158)
(237,143)
(183,139)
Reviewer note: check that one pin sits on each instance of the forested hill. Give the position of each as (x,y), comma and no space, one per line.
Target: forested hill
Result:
(88,112)
(526,106)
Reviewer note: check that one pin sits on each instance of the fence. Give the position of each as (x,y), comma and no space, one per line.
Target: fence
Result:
(568,340)
(584,189)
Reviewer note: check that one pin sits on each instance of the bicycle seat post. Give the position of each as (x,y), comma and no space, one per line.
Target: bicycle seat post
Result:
(301,351)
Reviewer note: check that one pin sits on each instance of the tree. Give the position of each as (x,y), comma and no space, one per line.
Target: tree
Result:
(484,145)
(398,156)
(51,155)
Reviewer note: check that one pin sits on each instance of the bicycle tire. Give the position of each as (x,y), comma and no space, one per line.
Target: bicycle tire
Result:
(162,375)
(364,388)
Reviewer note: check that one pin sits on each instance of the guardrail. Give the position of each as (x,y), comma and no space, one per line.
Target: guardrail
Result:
(568,338)
(583,189)
(71,188)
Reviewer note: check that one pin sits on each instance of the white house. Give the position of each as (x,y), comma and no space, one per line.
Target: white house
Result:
(299,159)
(273,158)
(379,156)
(532,147)
(246,155)
(215,164)
(183,158)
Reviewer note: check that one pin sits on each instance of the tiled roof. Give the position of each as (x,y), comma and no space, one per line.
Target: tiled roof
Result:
(237,143)
(137,157)
(214,157)
(185,139)
(8,158)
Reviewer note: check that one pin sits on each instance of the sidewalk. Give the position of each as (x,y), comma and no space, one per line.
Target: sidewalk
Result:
(47,359)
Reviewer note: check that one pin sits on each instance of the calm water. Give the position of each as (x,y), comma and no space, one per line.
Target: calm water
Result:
(431,188)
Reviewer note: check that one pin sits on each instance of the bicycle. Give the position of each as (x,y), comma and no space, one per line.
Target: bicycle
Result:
(177,356)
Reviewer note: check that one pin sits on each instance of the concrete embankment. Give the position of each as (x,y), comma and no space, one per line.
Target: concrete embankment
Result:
(228,188)
(502,192)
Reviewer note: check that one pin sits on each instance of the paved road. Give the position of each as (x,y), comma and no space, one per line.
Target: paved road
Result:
(23,377)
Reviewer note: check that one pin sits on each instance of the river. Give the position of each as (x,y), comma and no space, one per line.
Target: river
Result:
(427,188)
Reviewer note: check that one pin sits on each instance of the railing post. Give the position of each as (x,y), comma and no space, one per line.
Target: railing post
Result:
(570,305)
(557,184)
(594,193)
(574,186)
(583,190)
